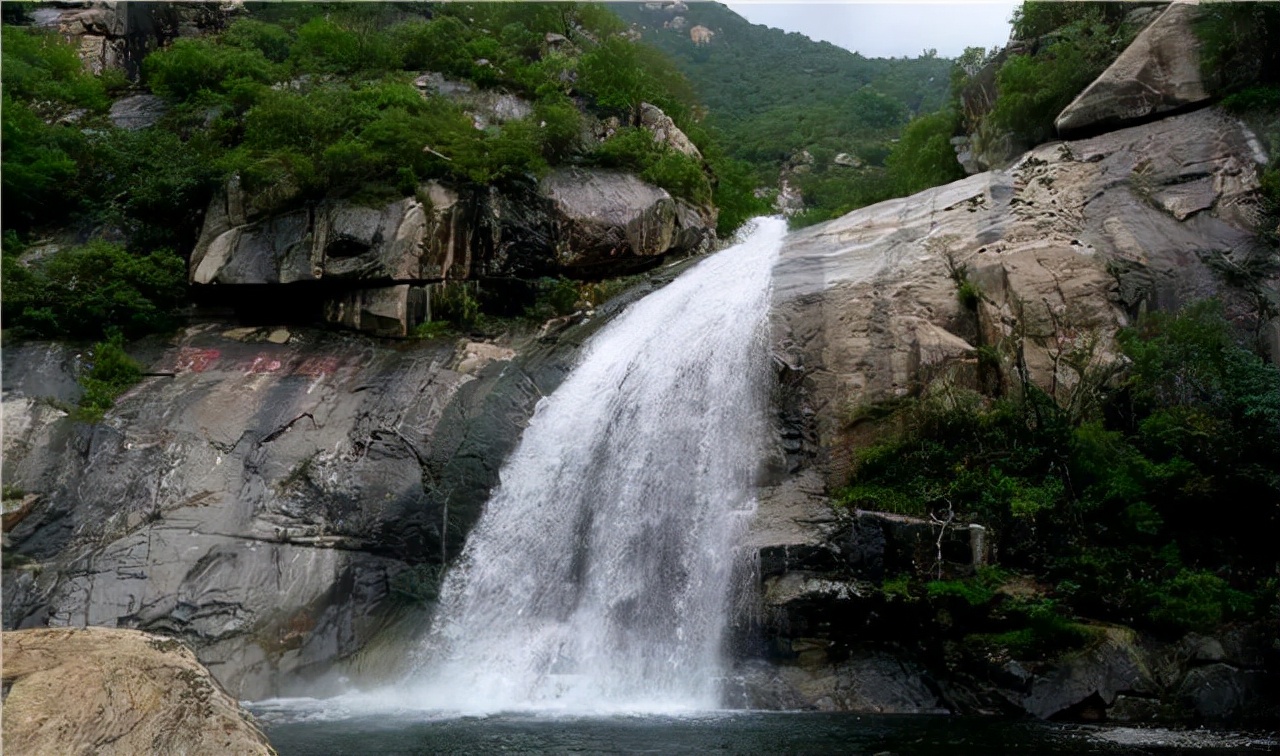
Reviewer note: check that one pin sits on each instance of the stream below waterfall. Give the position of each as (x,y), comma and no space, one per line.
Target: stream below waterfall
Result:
(734,733)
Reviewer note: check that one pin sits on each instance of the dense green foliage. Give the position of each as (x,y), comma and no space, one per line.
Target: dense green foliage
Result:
(84,292)
(1073,43)
(1158,511)
(44,86)
(1240,45)
(924,157)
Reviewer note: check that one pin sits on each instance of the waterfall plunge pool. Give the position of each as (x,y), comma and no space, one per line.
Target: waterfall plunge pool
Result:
(312,732)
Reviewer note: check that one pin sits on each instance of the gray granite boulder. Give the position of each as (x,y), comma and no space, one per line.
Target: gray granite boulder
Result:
(607,218)
(1157,73)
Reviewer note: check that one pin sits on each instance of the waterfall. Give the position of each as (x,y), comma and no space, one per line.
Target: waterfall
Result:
(598,577)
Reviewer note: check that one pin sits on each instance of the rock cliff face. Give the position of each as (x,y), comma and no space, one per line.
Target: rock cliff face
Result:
(1057,252)
(123,692)
(118,35)
(279,500)
(1067,245)
(272,504)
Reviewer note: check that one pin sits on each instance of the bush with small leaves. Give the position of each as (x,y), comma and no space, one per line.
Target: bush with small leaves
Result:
(111,372)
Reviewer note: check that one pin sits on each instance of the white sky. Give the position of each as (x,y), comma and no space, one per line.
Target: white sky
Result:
(890,30)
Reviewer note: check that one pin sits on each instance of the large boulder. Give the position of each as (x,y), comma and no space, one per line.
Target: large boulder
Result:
(485,106)
(375,264)
(1158,72)
(138,111)
(424,237)
(611,219)
(101,691)
(665,131)
(1220,692)
(1114,664)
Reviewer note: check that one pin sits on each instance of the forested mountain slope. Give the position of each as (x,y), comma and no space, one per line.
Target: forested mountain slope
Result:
(773,95)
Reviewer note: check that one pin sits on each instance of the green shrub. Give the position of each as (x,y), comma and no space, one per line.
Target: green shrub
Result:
(1239,45)
(269,39)
(151,184)
(1036,18)
(1114,511)
(326,45)
(979,590)
(191,66)
(83,292)
(635,149)
(436,45)
(40,66)
(456,303)
(834,192)
(1193,600)
(40,169)
(514,151)
(880,498)
(734,194)
(1040,630)
(559,126)
(620,75)
(969,294)
(681,175)
(1033,89)
(112,372)
(562,296)
(898,588)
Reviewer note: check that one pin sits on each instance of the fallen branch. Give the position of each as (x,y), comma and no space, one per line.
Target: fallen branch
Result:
(951,515)
(428,149)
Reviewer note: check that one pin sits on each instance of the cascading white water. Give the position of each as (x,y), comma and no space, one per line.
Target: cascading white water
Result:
(598,576)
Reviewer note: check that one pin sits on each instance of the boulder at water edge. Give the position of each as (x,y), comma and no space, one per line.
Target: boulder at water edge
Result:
(101,691)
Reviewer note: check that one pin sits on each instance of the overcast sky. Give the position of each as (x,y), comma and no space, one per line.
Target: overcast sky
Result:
(890,30)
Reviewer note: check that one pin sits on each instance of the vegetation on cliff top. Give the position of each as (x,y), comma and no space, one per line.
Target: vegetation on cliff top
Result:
(1006,102)
(302,102)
